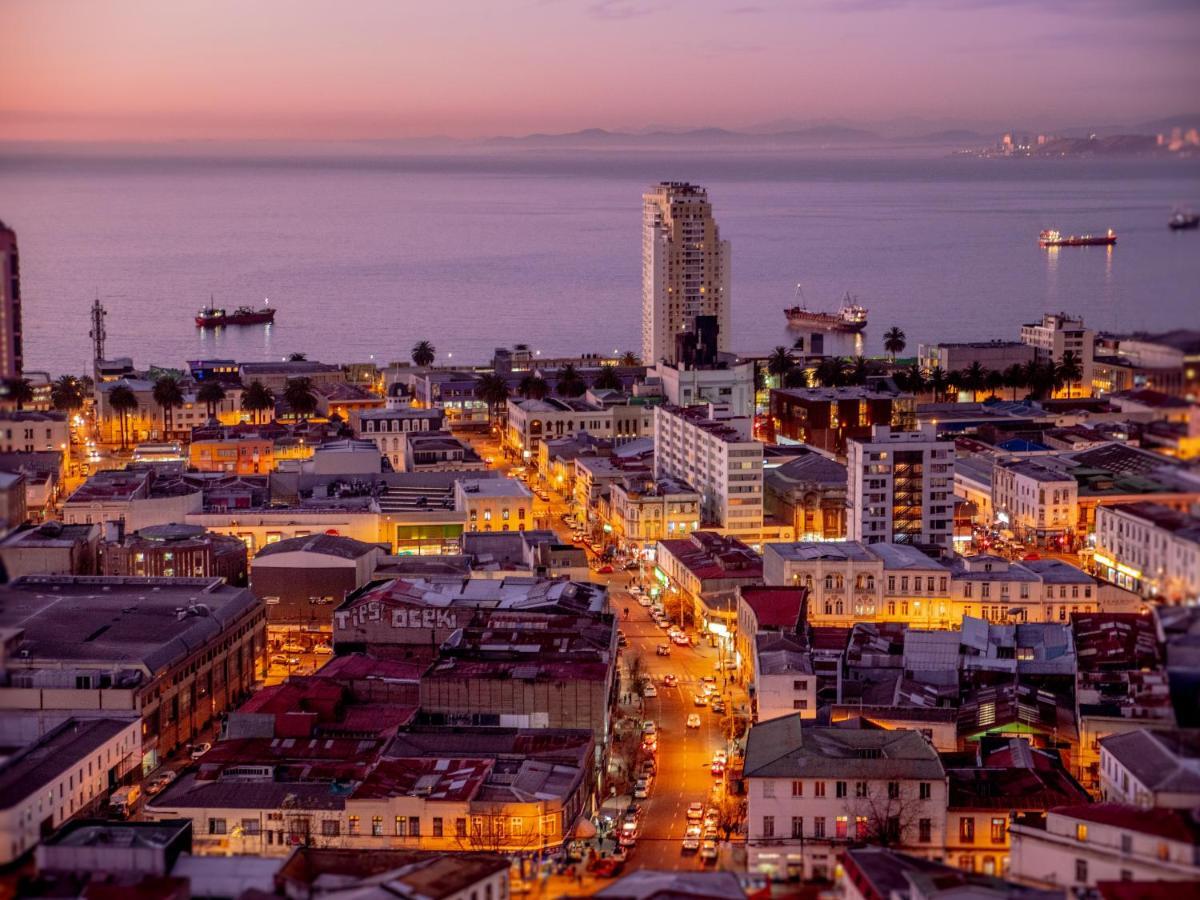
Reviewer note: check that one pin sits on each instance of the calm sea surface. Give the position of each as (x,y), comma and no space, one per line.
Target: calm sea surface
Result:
(365,256)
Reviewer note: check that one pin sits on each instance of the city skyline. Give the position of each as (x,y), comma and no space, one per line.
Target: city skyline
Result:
(314,70)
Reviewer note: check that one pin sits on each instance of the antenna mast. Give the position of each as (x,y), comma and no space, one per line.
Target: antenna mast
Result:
(97,334)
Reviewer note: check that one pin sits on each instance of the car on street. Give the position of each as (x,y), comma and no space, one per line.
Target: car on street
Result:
(695,810)
(709,679)
(649,691)
(718,768)
(680,639)
(632,566)
(158,782)
(693,721)
(710,818)
(604,570)
(691,838)
(322,650)
(721,757)
(663,623)
(292,647)
(606,867)
(708,851)
(198,750)
(648,768)
(700,700)
(648,727)
(650,743)
(621,639)
(718,707)
(635,589)
(670,680)
(644,600)
(641,790)
(663,649)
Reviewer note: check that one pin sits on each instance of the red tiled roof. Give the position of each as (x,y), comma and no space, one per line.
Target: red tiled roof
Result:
(1165,823)
(775,607)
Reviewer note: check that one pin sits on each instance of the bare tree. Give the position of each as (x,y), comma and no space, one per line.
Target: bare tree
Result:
(731,813)
(636,667)
(493,829)
(891,815)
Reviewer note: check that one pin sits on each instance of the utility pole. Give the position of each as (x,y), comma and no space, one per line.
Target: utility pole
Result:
(97,334)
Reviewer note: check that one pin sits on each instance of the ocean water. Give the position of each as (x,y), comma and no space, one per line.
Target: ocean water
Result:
(365,254)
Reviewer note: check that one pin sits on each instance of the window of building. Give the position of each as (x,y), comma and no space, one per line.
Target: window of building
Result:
(460,828)
(797,826)
(1081,871)
(924,831)
(768,826)
(841,826)
(401,826)
(860,827)
(893,790)
(1126,843)
(819,827)
(352,825)
(998,829)
(924,789)
(818,789)
(1081,831)
(860,789)
(331,827)
(216,826)
(840,789)
(966,830)
(797,788)
(437,826)
(768,788)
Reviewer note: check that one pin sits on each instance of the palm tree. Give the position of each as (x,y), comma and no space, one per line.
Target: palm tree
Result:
(796,377)
(297,357)
(210,394)
(124,401)
(780,362)
(993,381)
(257,398)
(300,398)
(914,379)
(974,378)
(831,372)
(1070,370)
(532,386)
(1014,378)
(569,383)
(66,394)
(424,353)
(859,370)
(629,358)
(608,379)
(169,395)
(894,341)
(492,390)
(938,382)
(19,391)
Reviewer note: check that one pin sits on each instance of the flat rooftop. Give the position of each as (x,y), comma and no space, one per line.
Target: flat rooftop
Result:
(31,769)
(495,487)
(125,621)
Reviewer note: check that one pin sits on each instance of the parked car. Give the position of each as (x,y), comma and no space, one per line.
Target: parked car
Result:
(124,800)
(649,691)
(604,570)
(708,851)
(718,768)
(644,600)
(695,811)
(158,781)
(700,700)
(641,790)
(679,638)
(632,565)
(670,679)
(292,647)
(322,650)
(693,721)
(691,839)
(663,650)
(718,707)
(198,750)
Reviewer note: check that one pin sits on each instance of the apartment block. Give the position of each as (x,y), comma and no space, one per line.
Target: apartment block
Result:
(1150,549)
(815,791)
(900,488)
(1038,503)
(1057,334)
(829,417)
(713,451)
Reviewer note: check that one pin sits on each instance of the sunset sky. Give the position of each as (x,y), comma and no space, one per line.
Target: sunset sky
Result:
(344,69)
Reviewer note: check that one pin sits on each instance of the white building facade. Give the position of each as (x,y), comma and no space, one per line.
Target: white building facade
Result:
(900,488)
(1149,549)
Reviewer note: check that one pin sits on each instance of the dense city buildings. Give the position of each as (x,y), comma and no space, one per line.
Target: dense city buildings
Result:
(1150,549)
(1058,334)
(828,418)
(686,269)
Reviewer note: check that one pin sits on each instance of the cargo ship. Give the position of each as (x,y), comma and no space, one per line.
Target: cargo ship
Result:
(215,317)
(851,317)
(1052,238)
(1184,220)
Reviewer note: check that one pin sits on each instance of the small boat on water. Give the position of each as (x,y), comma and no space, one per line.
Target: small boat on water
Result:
(850,317)
(1184,220)
(216,317)
(1053,238)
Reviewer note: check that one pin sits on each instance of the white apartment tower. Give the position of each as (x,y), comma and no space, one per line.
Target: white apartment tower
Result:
(900,488)
(685,268)
(1057,334)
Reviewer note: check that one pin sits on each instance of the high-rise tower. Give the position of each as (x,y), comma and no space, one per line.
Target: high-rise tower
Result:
(11,359)
(685,268)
